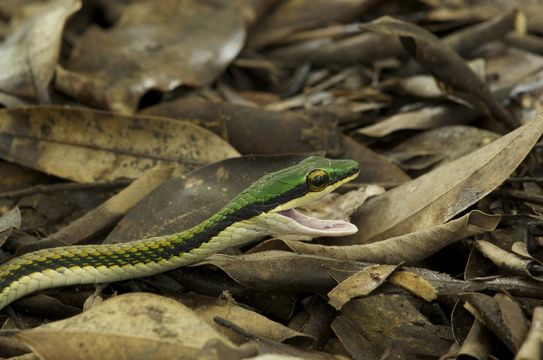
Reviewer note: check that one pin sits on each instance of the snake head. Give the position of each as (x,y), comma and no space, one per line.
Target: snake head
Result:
(273,199)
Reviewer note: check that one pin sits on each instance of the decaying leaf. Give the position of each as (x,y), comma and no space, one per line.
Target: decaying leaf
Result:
(507,262)
(361,283)
(30,53)
(152,46)
(414,283)
(442,193)
(385,319)
(89,146)
(409,248)
(442,62)
(487,310)
(291,16)
(285,132)
(470,38)
(208,308)
(531,348)
(96,220)
(476,344)
(281,270)
(132,326)
(440,145)
(424,118)
(9,221)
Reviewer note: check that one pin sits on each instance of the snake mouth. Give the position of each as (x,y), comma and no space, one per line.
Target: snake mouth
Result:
(308,225)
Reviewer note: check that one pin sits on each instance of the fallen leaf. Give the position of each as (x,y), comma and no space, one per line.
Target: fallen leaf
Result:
(470,38)
(507,262)
(358,346)
(152,45)
(513,318)
(476,344)
(30,53)
(385,319)
(208,308)
(365,48)
(415,284)
(440,145)
(531,348)
(89,146)
(427,117)
(437,196)
(285,132)
(409,248)
(487,310)
(442,62)
(103,216)
(8,222)
(360,284)
(291,16)
(281,270)
(131,326)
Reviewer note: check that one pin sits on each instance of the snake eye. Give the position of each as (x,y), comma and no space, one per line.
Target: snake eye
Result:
(317,180)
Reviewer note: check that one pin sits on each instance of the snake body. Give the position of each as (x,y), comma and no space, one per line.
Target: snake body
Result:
(264,208)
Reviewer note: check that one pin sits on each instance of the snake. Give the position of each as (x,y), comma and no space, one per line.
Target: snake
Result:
(267,207)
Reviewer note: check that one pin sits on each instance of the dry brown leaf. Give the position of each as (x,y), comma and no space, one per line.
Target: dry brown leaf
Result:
(437,196)
(9,221)
(476,344)
(531,348)
(291,16)
(442,145)
(470,38)
(285,132)
(281,270)
(360,284)
(487,310)
(387,319)
(444,63)
(513,318)
(208,308)
(514,70)
(415,284)
(105,215)
(153,45)
(30,53)
(507,262)
(365,48)
(89,146)
(131,326)
(425,118)
(409,248)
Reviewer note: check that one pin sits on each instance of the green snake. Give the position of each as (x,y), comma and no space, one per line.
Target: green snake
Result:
(266,207)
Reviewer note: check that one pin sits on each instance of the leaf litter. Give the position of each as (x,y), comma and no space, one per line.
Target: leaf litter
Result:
(127,120)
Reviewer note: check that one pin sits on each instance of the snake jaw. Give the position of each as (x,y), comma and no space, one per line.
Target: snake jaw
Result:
(286,220)
(293,222)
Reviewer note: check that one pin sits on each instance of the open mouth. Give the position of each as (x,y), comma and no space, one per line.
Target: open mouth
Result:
(308,225)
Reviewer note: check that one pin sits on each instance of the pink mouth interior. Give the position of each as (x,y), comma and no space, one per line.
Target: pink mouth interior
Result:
(318,227)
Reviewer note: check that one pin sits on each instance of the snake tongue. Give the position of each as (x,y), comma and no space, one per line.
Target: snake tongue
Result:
(308,225)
